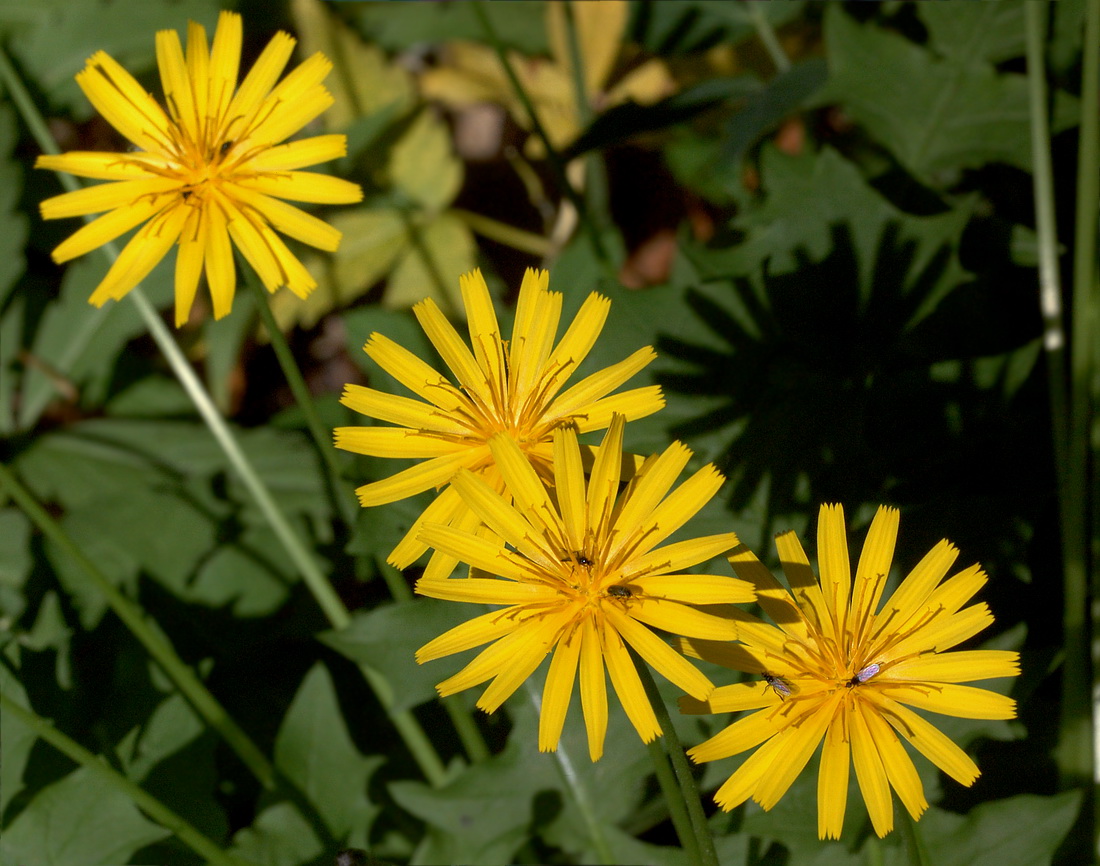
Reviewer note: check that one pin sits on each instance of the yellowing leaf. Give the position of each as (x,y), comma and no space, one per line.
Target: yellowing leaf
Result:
(451,247)
(423,164)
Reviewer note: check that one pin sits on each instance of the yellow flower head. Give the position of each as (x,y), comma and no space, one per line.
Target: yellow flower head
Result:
(504,386)
(582,575)
(209,170)
(833,668)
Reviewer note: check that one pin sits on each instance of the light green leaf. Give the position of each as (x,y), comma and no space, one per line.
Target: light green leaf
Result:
(313,749)
(974,32)
(16,743)
(280,836)
(423,165)
(78,821)
(431,268)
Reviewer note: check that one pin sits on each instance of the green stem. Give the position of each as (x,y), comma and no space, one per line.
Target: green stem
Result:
(1074,754)
(914,843)
(576,788)
(331,605)
(688,791)
(145,801)
(557,166)
(342,497)
(674,800)
(502,233)
(132,616)
(766,33)
(1084,354)
(416,238)
(595,176)
(468,732)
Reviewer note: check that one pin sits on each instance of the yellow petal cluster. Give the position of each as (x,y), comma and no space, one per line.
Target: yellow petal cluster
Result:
(511,387)
(581,570)
(841,665)
(208,173)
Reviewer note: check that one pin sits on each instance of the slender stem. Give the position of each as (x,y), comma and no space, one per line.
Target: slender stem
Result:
(674,800)
(145,801)
(341,496)
(576,788)
(1074,752)
(914,843)
(468,732)
(502,233)
(153,640)
(552,155)
(688,791)
(331,605)
(766,32)
(595,186)
(1084,355)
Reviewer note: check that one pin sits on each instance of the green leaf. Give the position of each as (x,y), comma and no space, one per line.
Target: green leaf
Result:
(432,264)
(170,727)
(78,821)
(314,751)
(975,32)
(15,561)
(397,26)
(935,116)
(387,637)
(15,744)
(280,836)
(52,39)
(1020,831)
(235,576)
(423,165)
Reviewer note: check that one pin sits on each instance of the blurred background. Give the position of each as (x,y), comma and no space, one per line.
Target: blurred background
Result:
(821,216)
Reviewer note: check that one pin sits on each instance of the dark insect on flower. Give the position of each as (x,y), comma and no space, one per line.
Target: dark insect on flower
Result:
(224,149)
(864,675)
(620,591)
(582,560)
(778,685)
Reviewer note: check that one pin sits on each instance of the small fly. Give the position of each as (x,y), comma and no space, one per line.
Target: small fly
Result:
(778,685)
(620,591)
(582,560)
(864,675)
(224,149)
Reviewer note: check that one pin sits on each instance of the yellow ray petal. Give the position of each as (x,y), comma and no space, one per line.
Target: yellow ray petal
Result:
(306,186)
(956,667)
(445,509)
(394,442)
(873,568)
(603,484)
(734,656)
(744,734)
(592,388)
(176,83)
(666,661)
(527,654)
(198,74)
(484,590)
(771,595)
(676,510)
(870,773)
(833,564)
(965,702)
(558,689)
(250,240)
(225,58)
(917,586)
(286,218)
(106,228)
(569,486)
(423,476)
(474,632)
(280,118)
(90,163)
(651,487)
(801,743)
(108,196)
(484,330)
(399,410)
(455,354)
(832,779)
(124,103)
(189,263)
(633,404)
(533,331)
(293,273)
(482,553)
(696,588)
(140,255)
(628,686)
(301,153)
(682,619)
(804,586)
(944,631)
(741,785)
(593,688)
(221,272)
(486,664)
(731,699)
(680,555)
(414,374)
(576,343)
(927,739)
(899,767)
(498,513)
(259,80)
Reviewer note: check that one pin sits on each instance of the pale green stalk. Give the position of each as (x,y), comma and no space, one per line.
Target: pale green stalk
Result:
(687,791)
(141,798)
(502,233)
(1074,754)
(158,647)
(766,33)
(331,605)
(915,848)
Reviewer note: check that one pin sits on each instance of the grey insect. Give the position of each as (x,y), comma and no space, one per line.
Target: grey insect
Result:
(778,685)
(864,675)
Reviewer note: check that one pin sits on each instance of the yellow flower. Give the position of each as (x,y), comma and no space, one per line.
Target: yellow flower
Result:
(832,668)
(582,575)
(209,170)
(504,386)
